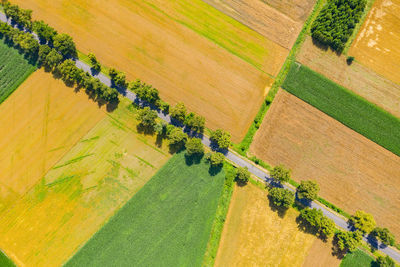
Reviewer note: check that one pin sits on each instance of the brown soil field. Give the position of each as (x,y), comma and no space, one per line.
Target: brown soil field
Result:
(188,50)
(40,122)
(356,77)
(296,9)
(264,19)
(377,45)
(353,172)
(254,235)
(71,202)
(320,255)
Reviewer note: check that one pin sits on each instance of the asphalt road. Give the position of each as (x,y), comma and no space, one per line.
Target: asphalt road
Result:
(236,159)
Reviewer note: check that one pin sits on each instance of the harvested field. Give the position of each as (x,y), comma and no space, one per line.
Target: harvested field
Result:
(316,146)
(187,49)
(356,77)
(14,69)
(347,107)
(264,19)
(81,191)
(44,120)
(377,45)
(254,235)
(320,255)
(167,223)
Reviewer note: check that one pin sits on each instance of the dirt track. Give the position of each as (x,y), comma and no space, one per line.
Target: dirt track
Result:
(353,172)
(356,77)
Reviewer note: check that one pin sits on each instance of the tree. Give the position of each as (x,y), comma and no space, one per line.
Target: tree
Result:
(215,158)
(281,197)
(178,112)
(194,146)
(147,118)
(177,137)
(28,44)
(94,62)
(308,190)
(161,128)
(44,50)
(363,221)
(53,59)
(348,241)
(64,44)
(280,173)
(195,122)
(221,138)
(45,33)
(385,261)
(68,71)
(118,77)
(316,219)
(242,175)
(384,235)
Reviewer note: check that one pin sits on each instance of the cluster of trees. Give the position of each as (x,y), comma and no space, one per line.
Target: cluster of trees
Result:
(23,41)
(221,138)
(45,33)
(195,123)
(324,226)
(22,17)
(336,21)
(281,197)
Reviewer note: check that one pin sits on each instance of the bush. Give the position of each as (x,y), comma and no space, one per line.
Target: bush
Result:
(242,175)
(336,21)
(221,138)
(194,146)
(281,197)
(349,60)
(45,33)
(280,173)
(308,190)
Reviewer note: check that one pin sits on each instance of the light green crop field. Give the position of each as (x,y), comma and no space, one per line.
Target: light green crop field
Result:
(357,258)
(14,69)
(345,106)
(167,223)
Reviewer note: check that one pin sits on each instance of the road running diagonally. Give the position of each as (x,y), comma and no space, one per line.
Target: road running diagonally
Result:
(234,158)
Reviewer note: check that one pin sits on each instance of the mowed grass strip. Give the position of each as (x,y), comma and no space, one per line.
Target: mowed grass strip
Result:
(167,223)
(345,106)
(14,69)
(357,258)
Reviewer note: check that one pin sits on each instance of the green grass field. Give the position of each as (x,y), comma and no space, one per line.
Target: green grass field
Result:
(167,223)
(5,261)
(14,69)
(345,106)
(357,258)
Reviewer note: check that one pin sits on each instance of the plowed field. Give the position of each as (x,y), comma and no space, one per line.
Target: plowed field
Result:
(353,172)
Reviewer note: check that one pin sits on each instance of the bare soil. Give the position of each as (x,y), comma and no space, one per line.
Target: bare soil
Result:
(159,43)
(263,18)
(296,9)
(356,77)
(320,255)
(377,45)
(353,172)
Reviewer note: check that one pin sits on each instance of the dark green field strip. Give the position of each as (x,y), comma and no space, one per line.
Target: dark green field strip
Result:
(5,261)
(167,223)
(350,109)
(357,258)
(14,69)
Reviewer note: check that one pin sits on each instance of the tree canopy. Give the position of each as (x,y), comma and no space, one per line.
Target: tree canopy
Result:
(308,190)
(280,173)
(316,219)
(178,112)
(221,138)
(384,235)
(194,146)
(363,221)
(147,118)
(281,197)
(64,44)
(242,175)
(347,240)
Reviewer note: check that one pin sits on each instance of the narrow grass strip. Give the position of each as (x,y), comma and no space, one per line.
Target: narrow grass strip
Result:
(345,106)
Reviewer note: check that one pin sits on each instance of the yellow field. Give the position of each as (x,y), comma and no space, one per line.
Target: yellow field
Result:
(377,45)
(40,122)
(77,196)
(187,49)
(254,235)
